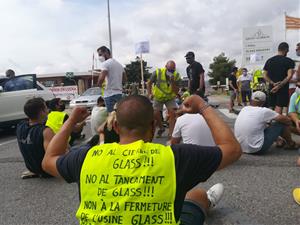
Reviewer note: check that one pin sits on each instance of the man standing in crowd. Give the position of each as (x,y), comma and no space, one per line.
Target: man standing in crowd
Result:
(233,88)
(33,137)
(245,83)
(163,86)
(278,70)
(113,72)
(253,132)
(195,73)
(171,172)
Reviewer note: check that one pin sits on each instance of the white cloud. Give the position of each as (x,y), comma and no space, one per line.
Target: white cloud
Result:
(48,36)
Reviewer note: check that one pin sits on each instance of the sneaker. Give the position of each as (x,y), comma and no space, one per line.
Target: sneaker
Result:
(214,194)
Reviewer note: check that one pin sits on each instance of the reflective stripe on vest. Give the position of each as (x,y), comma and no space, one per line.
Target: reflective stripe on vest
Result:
(161,90)
(55,120)
(128,184)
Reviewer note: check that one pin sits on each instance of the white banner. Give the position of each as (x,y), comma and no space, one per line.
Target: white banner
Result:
(142,47)
(257,44)
(65,93)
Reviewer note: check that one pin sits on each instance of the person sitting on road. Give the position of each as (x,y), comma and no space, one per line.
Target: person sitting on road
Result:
(33,137)
(57,117)
(187,129)
(294,112)
(136,181)
(98,115)
(255,131)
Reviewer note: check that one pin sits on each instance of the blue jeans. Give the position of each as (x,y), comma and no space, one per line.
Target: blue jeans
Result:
(271,134)
(111,101)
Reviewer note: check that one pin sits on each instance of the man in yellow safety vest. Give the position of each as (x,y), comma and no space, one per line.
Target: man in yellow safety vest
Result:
(136,181)
(162,87)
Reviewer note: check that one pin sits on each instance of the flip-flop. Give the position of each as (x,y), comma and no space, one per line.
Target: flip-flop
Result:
(296,195)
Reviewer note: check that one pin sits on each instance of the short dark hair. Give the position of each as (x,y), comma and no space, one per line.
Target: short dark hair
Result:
(234,69)
(53,103)
(103,49)
(298,45)
(135,112)
(100,99)
(10,73)
(283,46)
(33,107)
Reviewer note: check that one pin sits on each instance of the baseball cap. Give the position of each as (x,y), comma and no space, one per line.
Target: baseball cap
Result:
(259,96)
(189,54)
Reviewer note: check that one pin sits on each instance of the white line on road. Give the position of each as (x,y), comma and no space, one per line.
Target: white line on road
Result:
(8,142)
(228,114)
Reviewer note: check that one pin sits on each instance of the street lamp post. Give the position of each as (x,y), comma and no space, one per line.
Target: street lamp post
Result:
(109,28)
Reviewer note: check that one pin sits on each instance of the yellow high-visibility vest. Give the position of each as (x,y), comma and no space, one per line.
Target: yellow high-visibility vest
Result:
(55,120)
(161,90)
(128,184)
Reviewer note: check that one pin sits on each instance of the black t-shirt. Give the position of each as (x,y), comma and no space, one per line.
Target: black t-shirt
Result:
(232,78)
(31,144)
(194,164)
(277,68)
(193,72)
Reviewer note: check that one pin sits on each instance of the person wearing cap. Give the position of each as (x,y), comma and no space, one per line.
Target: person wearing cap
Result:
(195,73)
(257,127)
(163,87)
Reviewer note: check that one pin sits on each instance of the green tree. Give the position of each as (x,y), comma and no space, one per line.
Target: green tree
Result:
(220,69)
(133,71)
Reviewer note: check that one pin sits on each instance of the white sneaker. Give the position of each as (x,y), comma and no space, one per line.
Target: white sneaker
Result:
(214,194)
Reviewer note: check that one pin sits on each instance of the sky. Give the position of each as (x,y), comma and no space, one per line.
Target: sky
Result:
(54,36)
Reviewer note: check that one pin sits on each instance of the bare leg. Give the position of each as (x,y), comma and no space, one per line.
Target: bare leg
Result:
(172,119)
(158,122)
(198,195)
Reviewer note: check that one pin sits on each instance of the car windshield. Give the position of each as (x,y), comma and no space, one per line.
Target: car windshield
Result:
(92,91)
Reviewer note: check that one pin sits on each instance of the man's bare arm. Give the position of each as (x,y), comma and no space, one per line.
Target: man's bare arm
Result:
(101,77)
(283,119)
(175,140)
(201,84)
(48,134)
(222,134)
(149,88)
(59,143)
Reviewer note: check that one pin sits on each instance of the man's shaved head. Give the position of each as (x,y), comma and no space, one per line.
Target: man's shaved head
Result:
(135,112)
(171,65)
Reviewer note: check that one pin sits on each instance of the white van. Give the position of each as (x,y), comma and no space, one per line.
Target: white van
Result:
(14,93)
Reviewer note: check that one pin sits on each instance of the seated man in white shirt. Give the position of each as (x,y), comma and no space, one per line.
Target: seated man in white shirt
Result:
(255,131)
(192,129)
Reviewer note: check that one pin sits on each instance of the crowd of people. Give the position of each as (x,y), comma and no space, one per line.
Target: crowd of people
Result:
(146,181)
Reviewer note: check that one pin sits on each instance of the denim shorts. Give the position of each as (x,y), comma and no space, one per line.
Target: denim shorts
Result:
(111,101)
(192,214)
(271,134)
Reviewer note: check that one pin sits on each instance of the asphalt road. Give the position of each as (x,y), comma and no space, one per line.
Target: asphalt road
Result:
(258,189)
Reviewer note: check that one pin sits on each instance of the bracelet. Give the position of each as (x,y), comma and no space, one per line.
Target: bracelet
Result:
(203,108)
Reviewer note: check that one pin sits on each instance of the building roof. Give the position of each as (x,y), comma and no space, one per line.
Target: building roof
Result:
(76,74)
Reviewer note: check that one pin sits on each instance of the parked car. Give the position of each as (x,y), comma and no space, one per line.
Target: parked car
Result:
(14,94)
(87,99)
